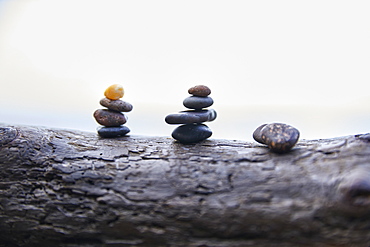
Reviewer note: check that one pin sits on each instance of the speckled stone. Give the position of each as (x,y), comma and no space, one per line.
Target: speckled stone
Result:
(116,105)
(197,102)
(188,117)
(191,133)
(200,90)
(109,132)
(279,137)
(109,118)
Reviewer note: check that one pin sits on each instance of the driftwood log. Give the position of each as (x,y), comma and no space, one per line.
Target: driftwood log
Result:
(71,188)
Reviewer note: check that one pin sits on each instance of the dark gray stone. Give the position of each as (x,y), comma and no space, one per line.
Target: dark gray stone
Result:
(191,133)
(188,117)
(109,132)
(116,105)
(279,137)
(109,118)
(197,103)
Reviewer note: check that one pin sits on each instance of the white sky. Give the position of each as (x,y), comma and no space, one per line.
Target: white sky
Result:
(306,63)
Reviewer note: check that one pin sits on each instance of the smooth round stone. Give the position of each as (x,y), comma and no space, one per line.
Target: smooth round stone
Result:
(200,90)
(114,92)
(109,132)
(279,137)
(116,105)
(191,133)
(109,118)
(197,102)
(188,117)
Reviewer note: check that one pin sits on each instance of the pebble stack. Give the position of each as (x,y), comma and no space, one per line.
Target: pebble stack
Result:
(279,137)
(112,117)
(191,129)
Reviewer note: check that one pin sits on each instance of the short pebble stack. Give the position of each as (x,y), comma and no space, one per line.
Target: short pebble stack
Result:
(112,118)
(279,137)
(192,130)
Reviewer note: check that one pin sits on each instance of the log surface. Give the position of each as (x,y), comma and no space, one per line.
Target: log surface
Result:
(72,188)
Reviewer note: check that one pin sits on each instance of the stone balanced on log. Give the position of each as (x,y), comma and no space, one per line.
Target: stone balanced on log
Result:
(112,118)
(279,137)
(192,130)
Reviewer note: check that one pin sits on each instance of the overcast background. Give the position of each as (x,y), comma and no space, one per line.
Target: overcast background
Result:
(305,63)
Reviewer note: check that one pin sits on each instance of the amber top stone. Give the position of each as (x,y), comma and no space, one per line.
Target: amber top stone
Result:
(114,92)
(200,90)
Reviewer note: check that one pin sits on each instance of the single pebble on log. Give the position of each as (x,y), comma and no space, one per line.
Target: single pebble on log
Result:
(109,118)
(279,137)
(109,132)
(191,133)
(200,90)
(116,105)
(188,117)
(197,102)
(114,92)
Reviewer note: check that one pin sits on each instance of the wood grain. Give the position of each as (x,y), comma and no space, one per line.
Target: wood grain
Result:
(71,188)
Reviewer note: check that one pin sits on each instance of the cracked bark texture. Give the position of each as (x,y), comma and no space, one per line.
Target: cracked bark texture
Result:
(72,188)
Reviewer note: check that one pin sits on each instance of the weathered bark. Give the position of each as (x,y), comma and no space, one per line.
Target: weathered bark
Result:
(71,188)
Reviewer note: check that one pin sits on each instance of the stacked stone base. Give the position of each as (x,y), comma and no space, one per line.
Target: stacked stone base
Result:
(110,132)
(191,133)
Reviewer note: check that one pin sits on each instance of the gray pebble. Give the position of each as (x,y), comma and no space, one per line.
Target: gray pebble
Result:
(109,132)
(197,102)
(191,133)
(188,117)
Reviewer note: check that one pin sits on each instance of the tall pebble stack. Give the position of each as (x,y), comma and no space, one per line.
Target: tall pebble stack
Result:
(112,118)
(191,129)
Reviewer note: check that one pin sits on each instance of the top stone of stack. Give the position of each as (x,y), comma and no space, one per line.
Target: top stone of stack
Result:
(199,98)
(114,92)
(200,90)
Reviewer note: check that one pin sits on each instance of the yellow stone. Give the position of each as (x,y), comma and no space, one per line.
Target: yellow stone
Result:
(114,92)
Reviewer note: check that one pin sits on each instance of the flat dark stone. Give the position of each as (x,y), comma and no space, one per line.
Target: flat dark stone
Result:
(194,116)
(191,133)
(197,102)
(109,118)
(279,137)
(116,105)
(109,132)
